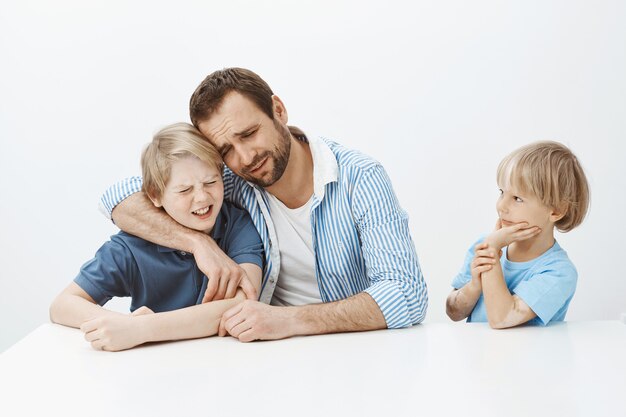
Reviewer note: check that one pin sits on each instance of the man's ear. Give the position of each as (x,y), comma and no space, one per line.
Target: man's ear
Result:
(280,111)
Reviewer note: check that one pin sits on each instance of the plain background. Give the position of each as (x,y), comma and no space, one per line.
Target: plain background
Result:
(438,91)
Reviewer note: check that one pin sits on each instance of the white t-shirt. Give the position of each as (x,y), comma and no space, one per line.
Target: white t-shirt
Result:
(296,284)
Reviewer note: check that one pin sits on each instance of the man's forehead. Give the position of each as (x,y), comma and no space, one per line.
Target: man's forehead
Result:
(233,115)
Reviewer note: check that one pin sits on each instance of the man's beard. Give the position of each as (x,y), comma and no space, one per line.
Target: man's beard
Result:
(280,157)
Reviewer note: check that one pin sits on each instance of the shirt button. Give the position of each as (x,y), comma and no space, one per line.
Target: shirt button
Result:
(183,253)
(271,280)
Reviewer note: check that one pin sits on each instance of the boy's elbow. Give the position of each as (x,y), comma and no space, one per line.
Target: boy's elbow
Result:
(53,311)
(498,324)
(452,311)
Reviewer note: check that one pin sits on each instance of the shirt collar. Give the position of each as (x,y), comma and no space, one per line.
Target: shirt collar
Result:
(325,167)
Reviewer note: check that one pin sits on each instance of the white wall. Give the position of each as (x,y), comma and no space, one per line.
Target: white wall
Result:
(438,91)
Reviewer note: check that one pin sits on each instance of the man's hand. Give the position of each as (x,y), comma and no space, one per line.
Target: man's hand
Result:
(224,274)
(116,332)
(252,320)
(504,236)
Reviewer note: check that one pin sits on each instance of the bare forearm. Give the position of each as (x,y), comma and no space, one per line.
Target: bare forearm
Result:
(138,216)
(461,302)
(187,323)
(71,310)
(357,313)
(498,299)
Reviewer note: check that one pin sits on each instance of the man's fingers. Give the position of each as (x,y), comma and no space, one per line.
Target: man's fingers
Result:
(226,316)
(248,289)
(211,289)
(221,330)
(237,325)
(221,291)
(231,289)
(247,336)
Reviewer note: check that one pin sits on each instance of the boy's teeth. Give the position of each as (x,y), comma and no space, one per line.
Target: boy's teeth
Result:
(202,211)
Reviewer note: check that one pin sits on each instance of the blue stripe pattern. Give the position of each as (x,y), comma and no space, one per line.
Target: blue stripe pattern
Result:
(360,236)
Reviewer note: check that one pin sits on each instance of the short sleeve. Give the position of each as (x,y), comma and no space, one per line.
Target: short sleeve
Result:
(243,243)
(110,273)
(465,274)
(549,291)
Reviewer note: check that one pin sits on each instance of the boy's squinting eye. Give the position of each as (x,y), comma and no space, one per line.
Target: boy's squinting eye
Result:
(210,183)
(518,199)
(184,191)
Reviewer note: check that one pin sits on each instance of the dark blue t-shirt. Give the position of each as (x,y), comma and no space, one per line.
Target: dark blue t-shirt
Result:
(161,278)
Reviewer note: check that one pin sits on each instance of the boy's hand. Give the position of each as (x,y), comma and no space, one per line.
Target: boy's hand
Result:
(484,259)
(114,332)
(504,236)
(224,274)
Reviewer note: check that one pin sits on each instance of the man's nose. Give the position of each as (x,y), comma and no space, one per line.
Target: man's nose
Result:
(246,155)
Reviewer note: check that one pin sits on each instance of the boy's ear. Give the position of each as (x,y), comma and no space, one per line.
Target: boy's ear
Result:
(155,200)
(558,213)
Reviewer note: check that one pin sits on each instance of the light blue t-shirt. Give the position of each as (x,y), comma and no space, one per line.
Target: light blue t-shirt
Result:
(546,283)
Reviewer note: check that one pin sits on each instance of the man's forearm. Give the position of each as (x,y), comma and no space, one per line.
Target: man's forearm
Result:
(187,323)
(461,302)
(357,313)
(138,216)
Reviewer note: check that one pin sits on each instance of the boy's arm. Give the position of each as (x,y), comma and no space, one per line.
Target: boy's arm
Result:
(113,333)
(461,302)
(505,310)
(74,306)
(137,215)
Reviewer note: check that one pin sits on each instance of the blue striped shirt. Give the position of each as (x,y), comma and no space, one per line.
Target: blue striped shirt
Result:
(360,234)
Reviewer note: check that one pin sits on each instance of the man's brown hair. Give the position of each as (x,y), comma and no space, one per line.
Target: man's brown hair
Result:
(212,90)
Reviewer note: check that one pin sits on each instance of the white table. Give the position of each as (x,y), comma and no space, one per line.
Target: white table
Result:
(456,369)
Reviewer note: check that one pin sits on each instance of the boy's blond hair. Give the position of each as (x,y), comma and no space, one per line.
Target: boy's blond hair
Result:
(551,172)
(169,145)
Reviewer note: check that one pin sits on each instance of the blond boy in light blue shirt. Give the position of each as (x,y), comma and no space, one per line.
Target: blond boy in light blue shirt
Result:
(519,273)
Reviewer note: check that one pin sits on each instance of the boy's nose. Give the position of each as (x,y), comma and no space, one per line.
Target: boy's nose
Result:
(501,206)
(200,195)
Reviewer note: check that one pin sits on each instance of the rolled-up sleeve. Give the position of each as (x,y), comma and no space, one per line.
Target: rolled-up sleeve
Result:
(396,281)
(116,193)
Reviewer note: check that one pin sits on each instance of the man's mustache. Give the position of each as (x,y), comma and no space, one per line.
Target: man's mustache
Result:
(257,159)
